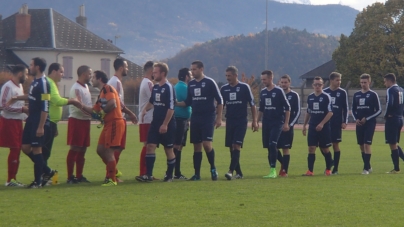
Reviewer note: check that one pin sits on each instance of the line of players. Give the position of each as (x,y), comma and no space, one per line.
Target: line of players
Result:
(327,114)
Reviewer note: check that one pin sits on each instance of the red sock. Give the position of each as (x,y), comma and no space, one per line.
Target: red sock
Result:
(143,170)
(80,160)
(71,158)
(111,167)
(117,154)
(13,163)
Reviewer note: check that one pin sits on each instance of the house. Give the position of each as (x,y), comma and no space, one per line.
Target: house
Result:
(322,71)
(48,34)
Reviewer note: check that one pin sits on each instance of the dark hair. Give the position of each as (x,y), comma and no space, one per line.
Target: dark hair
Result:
(148,66)
(365,76)
(162,66)
(54,66)
(286,76)
(391,77)
(334,75)
(99,74)
(183,73)
(82,69)
(198,64)
(18,68)
(232,69)
(318,78)
(41,63)
(119,62)
(267,72)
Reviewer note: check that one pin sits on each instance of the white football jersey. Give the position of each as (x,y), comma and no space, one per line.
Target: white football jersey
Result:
(13,111)
(117,84)
(82,93)
(144,96)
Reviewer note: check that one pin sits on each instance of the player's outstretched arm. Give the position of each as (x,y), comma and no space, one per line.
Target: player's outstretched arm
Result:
(132,116)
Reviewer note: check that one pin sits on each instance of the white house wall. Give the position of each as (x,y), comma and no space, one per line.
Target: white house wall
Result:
(91,59)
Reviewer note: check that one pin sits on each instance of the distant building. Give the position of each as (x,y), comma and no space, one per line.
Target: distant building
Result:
(322,71)
(48,34)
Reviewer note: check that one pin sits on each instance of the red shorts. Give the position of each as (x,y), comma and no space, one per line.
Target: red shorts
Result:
(10,133)
(111,135)
(143,132)
(78,132)
(123,141)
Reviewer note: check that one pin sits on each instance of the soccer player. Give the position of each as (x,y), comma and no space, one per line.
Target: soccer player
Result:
(236,95)
(11,120)
(37,123)
(55,74)
(108,106)
(145,91)
(394,118)
(202,93)
(319,113)
(78,126)
(286,139)
(162,127)
(121,70)
(365,109)
(182,115)
(339,119)
(274,111)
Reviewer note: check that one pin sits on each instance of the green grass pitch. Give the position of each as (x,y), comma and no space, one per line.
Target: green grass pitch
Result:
(348,199)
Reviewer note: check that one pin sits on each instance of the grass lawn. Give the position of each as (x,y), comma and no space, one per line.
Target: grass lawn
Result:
(348,199)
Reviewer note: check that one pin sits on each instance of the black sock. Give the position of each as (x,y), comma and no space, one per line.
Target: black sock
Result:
(395,159)
(150,159)
(273,153)
(211,158)
(38,168)
(197,163)
(285,163)
(177,162)
(367,162)
(400,152)
(337,155)
(31,156)
(370,156)
(363,159)
(170,167)
(234,160)
(322,152)
(328,160)
(238,169)
(280,159)
(310,161)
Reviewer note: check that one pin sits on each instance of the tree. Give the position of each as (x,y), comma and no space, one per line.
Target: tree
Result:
(375,46)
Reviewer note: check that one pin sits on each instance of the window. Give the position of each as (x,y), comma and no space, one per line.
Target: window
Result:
(68,66)
(105,63)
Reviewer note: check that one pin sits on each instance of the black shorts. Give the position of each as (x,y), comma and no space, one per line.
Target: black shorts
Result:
(336,132)
(201,128)
(29,133)
(181,131)
(392,130)
(166,139)
(271,133)
(235,131)
(286,139)
(320,139)
(364,133)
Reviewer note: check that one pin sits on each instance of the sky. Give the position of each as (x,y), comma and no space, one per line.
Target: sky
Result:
(357,4)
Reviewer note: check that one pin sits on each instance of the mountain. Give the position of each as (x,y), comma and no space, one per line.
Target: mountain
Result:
(291,51)
(156,29)
(307,2)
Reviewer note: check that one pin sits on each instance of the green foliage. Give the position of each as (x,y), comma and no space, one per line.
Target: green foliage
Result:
(375,45)
(291,52)
(348,199)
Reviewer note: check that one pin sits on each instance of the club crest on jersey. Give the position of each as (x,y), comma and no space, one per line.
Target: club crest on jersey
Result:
(338,94)
(289,97)
(273,95)
(162,90)
(321,99)
(203,84)
(238,89)
(368,95)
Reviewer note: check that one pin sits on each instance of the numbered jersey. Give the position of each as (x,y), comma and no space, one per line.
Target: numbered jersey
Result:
(318,107)
(365,105)
(394,102)
(235,98)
